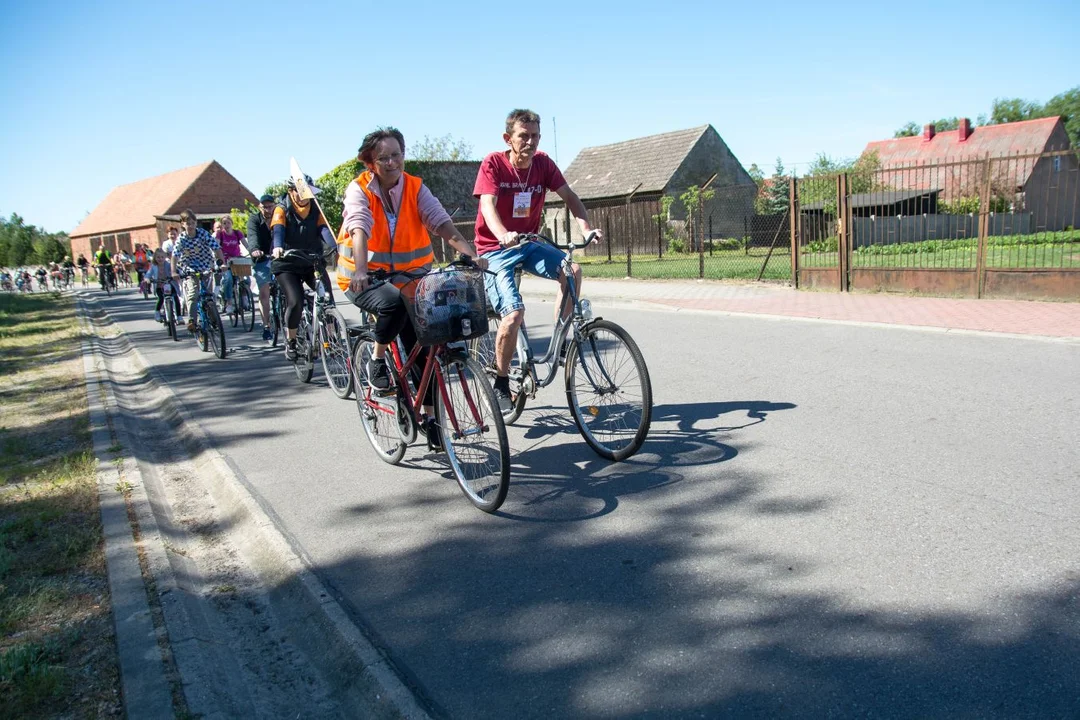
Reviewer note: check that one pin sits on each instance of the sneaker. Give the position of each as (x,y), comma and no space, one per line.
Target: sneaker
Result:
(268,335)
(290,351)
(378,374)
(191,325)
(502,396)
(431,431)
(229,308)
(157,316)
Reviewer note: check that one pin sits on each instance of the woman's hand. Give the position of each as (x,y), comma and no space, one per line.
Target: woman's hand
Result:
(277,252)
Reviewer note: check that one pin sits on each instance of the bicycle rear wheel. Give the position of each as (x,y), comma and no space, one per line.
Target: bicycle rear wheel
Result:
(215,330)
(472,432)
(609,391)
(482,350)
(334,336)
(305,361)
(378,415)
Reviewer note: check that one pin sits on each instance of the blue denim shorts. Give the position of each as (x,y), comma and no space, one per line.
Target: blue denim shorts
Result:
(261,271)
(535,258)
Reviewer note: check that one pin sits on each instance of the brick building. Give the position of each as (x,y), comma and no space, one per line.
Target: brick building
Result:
(142,212)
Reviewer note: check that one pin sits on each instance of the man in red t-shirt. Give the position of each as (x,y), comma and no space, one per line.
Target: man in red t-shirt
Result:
(511,186)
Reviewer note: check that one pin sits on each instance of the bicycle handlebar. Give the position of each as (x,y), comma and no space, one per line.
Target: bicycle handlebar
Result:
(590,238)
(314,258)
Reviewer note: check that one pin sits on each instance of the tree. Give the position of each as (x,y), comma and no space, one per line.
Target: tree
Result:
(756,175)
(277,189)
(776,194)
(909,130)
(441,149)
(1007,110)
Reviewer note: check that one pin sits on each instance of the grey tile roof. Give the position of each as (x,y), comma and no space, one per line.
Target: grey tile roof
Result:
(886,197)
(614,170)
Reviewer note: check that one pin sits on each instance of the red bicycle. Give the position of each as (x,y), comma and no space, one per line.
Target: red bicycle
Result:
(449,306)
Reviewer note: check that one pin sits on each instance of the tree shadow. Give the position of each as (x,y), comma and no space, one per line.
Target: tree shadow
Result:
(677,618)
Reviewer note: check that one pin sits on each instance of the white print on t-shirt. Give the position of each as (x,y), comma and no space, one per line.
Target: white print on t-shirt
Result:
(518,188)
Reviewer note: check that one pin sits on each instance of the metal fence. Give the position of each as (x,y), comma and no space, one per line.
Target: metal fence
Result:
(1001,227)
(1004,227)
(720,236)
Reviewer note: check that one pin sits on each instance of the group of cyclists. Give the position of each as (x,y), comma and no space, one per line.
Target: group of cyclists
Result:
(383,257)
(388,220)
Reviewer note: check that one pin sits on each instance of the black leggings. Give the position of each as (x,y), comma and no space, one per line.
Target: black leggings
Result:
(290,283)
(392,319)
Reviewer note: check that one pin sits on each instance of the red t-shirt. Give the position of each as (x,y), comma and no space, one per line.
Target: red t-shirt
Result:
(519,194)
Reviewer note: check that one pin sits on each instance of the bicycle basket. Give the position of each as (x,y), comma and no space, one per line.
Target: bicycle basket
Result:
(449,306)
(241,267)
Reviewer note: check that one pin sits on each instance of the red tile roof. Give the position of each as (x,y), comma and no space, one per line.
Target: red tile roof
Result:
(134,205)
(997,141)
(1027,136)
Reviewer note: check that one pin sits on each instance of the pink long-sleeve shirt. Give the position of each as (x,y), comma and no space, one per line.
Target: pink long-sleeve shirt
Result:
(357,211)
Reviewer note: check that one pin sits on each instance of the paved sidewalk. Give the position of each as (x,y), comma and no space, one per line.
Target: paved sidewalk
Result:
(1047,319)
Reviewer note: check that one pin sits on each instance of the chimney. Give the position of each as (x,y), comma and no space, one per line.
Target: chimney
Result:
(928,133)
(965,129)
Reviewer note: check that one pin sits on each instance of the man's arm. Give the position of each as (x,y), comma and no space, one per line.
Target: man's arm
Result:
(577,209)
(251,240)
(491,217)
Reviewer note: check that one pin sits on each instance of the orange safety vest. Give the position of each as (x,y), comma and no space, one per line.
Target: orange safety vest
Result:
(409,248)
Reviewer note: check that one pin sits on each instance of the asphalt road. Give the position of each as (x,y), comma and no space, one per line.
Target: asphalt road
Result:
(826,520)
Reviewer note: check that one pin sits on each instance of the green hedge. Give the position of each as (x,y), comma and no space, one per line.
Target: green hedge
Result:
(937,246)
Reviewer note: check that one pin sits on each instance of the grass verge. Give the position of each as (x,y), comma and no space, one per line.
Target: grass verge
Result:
(57,648)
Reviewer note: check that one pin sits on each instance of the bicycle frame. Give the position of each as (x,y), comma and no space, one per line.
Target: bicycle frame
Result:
(432,368)
(575,320)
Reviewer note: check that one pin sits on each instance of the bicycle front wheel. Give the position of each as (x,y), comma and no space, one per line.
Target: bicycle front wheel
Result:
(378,415)
(275,317)
(215,330)
(609,391)
(335,352)
(170,317)
(245,307)
(472,432)
(305,362)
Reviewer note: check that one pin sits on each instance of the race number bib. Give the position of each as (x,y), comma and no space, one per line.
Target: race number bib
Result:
(522,204)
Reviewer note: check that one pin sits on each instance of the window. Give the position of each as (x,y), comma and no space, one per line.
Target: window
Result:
(1057,163)
(123,242)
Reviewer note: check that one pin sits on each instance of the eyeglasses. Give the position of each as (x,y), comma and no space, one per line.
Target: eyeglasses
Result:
(388,159)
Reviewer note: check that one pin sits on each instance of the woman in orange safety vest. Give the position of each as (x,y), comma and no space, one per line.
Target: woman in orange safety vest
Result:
(388,216)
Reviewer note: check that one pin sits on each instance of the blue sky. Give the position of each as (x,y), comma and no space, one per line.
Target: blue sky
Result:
(101,95)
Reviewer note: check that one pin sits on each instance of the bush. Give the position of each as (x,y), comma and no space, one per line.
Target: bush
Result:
(830,244)
(676,245)
(935,246)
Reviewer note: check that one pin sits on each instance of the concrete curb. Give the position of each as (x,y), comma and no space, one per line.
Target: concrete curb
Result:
(349,661)
(146,689)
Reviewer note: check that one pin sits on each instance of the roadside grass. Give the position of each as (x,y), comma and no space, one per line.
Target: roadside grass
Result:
(722,264)
(57,649)
(736,265)
(1002,257)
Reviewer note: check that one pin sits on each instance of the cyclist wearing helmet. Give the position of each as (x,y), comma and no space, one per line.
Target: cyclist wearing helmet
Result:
(297,224)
